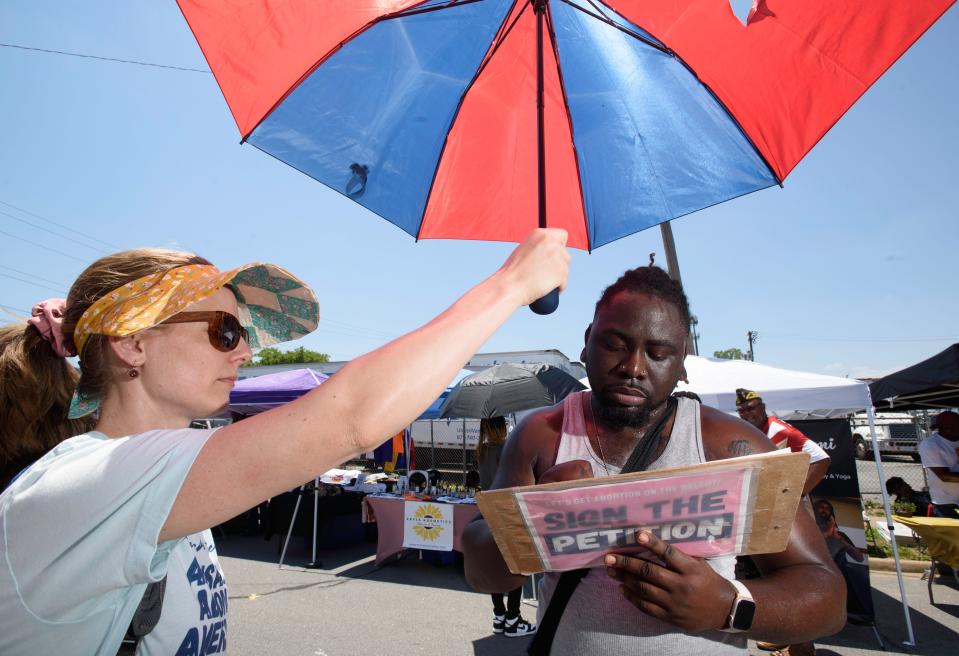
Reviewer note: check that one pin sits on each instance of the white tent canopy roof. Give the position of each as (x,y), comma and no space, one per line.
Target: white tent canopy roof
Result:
(788,394)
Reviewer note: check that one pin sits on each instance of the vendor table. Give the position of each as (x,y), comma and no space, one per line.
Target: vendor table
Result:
(941,535)
(387,512)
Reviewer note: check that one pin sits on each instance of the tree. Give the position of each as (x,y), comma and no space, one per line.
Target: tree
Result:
(729,354)
(296,356)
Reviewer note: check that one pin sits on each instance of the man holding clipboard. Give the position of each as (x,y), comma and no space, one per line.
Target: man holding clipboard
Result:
(668,603)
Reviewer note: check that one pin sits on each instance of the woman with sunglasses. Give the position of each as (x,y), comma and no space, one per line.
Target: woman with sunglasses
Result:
(160,336)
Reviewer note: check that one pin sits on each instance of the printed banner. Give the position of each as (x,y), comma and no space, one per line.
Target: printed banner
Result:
(701,514)
(835,437)
(428,525)
(838,510)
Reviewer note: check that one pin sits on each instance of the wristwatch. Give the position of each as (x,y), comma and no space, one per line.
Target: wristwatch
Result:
(743,610)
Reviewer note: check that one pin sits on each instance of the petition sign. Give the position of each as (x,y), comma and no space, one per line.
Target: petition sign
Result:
(703,514)
(739,506)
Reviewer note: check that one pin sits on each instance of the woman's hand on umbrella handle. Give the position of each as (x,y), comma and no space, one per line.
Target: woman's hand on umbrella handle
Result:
(547,304)
(539,265)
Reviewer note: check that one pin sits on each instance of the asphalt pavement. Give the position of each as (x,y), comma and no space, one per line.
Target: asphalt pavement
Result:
(410,606)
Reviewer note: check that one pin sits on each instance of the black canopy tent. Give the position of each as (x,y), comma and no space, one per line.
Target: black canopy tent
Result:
(932,383)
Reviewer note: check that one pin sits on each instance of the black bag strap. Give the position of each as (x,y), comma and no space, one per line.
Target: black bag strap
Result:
(644,452)
(641,457)
(145,618)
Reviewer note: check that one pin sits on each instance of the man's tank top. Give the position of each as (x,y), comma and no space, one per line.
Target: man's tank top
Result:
(599,620)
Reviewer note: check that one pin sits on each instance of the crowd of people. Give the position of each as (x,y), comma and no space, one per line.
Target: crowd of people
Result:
(101,473)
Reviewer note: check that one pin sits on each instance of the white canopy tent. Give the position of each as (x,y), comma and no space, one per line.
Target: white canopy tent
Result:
(786,393)
(790,395)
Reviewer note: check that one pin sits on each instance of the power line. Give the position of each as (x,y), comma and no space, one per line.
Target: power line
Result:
(65,227)
(109,59)
(346,326)
(43,246)
(53,232)
(31,275)
(10,307)
(13,312)
(30,282)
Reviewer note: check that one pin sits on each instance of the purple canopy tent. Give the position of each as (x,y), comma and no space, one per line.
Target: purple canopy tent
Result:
(253,395)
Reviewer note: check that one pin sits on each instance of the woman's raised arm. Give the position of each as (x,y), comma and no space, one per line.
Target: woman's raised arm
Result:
(365,402)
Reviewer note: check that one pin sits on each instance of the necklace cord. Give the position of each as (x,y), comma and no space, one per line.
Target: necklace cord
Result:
(648,446)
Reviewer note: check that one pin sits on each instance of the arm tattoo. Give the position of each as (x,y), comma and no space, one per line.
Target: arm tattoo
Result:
(739,448)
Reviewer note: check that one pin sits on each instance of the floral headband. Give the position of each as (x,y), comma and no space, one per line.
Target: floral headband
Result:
(274,306)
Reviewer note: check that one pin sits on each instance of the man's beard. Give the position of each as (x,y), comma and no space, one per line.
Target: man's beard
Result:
(617,416)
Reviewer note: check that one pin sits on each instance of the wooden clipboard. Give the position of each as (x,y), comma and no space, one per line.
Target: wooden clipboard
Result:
(775,496)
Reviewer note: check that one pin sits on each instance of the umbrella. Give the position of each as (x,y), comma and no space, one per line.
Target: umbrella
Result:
(506,388)
(481,119)
(433,412)
(261,393)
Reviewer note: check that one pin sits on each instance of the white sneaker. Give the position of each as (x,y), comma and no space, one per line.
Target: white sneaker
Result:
(499,622)
(517,627)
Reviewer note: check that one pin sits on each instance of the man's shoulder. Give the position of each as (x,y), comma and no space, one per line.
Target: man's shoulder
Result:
(781,422)
(542,422)
(933,441)
(725,436)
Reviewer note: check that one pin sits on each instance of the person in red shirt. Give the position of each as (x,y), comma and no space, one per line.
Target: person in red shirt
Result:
(783,435)
(752,409)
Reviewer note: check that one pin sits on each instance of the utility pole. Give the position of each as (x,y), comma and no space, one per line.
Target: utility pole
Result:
(672,268)
(693,323)
(753,337)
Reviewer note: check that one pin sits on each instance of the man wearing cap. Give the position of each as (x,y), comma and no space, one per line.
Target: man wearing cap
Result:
(752,409)
(940,456)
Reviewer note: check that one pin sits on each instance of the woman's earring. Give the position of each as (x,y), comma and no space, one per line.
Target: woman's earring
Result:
(133,373)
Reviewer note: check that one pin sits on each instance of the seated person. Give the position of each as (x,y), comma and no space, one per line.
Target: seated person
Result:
(904,492)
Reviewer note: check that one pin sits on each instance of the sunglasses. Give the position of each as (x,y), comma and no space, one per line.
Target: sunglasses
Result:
(223,329)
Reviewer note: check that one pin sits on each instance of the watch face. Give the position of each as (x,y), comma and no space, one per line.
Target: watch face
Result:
(743,618)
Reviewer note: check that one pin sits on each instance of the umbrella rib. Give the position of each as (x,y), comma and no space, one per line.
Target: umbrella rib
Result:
(598,9)
(569,119)
(498,40)
(419,9)
(322,60)
(501,37)
(635,35)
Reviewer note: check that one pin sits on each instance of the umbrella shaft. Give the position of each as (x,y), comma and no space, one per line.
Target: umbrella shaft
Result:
(540,7)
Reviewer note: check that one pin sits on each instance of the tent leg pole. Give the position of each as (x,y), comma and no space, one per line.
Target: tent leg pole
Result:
(464,452)
(289,531)
(871,412)
(316,505)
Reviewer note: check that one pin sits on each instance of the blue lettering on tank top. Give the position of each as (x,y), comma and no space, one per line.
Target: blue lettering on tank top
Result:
(211,598)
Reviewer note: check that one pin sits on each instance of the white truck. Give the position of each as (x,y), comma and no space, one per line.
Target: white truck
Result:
(897,433)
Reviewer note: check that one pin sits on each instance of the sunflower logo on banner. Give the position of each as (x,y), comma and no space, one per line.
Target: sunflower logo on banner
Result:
(428,526)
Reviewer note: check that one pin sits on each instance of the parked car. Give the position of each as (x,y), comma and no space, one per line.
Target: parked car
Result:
(897,433)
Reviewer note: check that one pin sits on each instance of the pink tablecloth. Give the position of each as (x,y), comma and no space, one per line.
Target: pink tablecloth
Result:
(388,515)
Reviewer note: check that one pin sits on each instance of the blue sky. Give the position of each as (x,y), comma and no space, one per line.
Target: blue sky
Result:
(848,270)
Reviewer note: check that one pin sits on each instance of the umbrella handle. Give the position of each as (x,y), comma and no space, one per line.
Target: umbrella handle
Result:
(546,304)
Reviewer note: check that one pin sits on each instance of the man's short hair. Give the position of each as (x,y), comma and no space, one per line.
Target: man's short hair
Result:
(946,419)
(648,280)
(893,484)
